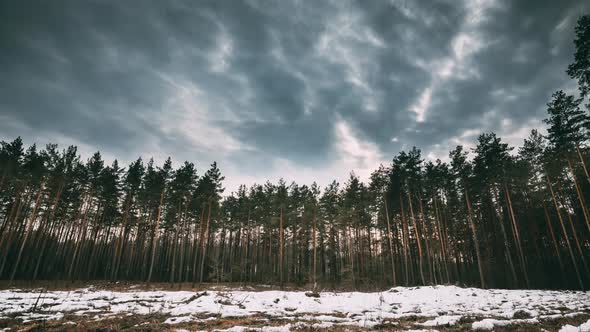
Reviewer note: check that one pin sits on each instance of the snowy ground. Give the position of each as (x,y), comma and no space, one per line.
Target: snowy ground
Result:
(416,308)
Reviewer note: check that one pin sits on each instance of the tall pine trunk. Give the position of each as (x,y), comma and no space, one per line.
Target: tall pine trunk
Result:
(29,227)
(475,241)
(517,237)
(205,242)
(418,240)
(567,241)
(155,238)
(389,236)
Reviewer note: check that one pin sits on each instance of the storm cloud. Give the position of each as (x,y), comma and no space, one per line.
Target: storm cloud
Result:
(305,90)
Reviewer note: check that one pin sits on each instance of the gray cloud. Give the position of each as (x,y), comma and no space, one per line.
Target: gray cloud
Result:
(267,87)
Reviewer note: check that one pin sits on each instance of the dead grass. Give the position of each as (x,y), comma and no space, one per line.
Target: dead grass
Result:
(155,322)
(65,285)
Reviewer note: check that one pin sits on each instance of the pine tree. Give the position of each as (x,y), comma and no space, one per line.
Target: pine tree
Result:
(580,68)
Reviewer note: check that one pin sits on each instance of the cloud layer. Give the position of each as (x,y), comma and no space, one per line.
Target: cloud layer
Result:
(305,90)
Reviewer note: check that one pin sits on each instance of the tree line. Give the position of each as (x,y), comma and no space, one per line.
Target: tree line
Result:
(490,217)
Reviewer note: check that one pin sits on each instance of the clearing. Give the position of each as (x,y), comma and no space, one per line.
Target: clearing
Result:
(222,308)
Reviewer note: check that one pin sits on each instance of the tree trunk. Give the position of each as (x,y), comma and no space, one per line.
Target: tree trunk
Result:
(314,251)
(155,238)
(517,236)
(442,238)
(561,197)
(475,241)
(389,236)
(579,193)
(78,242)
(418,240)
(205,241)
(567,241)
(196,244)
(504,237)
(175,244)
(583,163)
(27,232)
(426,237)
(555,246)
(281,248)
(405,237)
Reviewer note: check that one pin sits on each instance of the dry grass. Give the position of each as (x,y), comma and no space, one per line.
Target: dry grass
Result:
(155,322)
(65,285)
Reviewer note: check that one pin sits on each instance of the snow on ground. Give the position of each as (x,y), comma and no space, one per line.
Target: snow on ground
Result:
(434,306)
(442,321)
(582,328)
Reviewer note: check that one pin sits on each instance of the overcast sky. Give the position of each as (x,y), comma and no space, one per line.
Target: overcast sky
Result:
(303,89)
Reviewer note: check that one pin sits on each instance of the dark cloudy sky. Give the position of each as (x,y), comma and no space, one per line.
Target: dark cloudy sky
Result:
(303,89)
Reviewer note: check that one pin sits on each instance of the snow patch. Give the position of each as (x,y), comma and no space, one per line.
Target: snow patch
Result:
(284,328)
(442,321)
(582,328)
(438,305)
